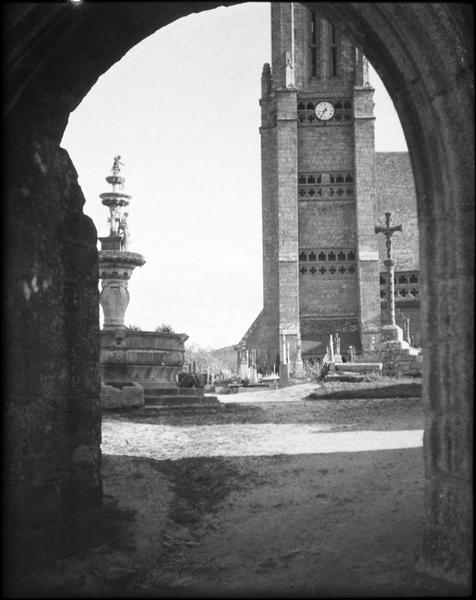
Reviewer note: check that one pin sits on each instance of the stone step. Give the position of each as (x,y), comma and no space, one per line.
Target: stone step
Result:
(181,401)
(253,388)
(172,391)
(360,367)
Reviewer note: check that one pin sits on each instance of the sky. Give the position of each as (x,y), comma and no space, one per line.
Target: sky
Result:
(181,109)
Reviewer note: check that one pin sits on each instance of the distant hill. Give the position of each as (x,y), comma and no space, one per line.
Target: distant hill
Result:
(222,359)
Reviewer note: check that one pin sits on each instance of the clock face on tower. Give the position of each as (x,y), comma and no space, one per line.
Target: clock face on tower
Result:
(324,111)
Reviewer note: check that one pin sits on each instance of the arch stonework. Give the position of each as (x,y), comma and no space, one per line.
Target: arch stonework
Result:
(55,53)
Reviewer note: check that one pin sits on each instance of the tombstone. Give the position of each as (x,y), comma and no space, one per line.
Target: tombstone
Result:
(406,331)
(299,371)
(337,353)
(283,375)
(337,343)
(331,349)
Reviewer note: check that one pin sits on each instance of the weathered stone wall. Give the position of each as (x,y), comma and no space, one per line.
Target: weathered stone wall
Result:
(326,149)
(329,224)
(323,227)
(330,295)
(318,330)
(52,455)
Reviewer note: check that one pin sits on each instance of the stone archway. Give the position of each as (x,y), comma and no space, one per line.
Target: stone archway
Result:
(422,52)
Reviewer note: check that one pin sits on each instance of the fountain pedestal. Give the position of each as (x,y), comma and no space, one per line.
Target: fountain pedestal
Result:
(136,367)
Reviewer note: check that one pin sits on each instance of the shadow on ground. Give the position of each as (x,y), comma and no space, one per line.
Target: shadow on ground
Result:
(343,524)
(398,390)
(378,414)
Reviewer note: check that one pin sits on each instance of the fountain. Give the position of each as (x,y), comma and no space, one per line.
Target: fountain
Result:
(136,366)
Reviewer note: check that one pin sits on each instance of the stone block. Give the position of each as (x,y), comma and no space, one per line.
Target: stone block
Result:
(359,367)
(183,401)
(129,396)
(392,333)
(283,376)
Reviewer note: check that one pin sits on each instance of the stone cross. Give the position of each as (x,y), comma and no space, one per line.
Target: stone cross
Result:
(390,265)
(388,232)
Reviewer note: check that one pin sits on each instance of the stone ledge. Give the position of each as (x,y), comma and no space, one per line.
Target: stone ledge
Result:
(179,401)
(172,391)
(129,396)
(358,367)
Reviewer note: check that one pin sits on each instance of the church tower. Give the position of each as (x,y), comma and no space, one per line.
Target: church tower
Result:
(320,252)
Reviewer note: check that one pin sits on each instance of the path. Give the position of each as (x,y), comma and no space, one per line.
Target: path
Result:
(286,497)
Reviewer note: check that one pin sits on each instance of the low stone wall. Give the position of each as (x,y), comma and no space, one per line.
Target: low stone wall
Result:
(398,359)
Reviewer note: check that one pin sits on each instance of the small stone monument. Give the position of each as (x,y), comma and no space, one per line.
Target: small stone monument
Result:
(331,348)
(253,372)
(406,331)
(243,358)
(337,353)
(299,371)
(397,356)
(284,365)
(390,331)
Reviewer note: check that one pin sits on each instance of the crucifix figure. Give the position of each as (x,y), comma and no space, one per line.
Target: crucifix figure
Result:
(388,232)
(390,265)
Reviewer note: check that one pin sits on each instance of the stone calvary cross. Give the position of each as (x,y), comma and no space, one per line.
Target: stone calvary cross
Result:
(388,232)
(389,265)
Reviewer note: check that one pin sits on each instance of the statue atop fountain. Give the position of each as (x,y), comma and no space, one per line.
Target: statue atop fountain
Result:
(116,262)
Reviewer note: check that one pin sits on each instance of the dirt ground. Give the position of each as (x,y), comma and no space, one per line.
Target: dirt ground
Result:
(270,494)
